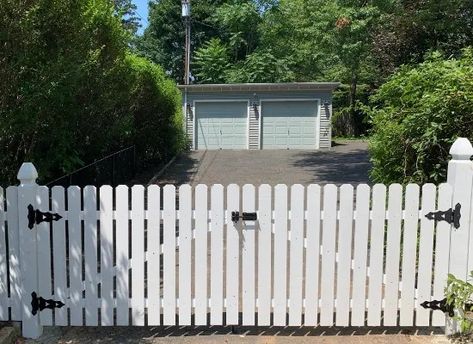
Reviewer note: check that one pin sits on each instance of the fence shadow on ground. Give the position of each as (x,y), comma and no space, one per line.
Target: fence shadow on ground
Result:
(338,168)
(143,334)
(181,171)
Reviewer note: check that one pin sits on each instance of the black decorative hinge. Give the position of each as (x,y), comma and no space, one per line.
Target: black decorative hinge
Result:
(36,217)
(441,305)
(38,303)
(244,216)
(450,215)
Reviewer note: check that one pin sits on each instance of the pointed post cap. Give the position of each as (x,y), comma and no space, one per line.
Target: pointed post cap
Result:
(27,174)
(461,149)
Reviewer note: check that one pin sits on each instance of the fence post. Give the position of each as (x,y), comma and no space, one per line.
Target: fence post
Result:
(460,177)
(27,193)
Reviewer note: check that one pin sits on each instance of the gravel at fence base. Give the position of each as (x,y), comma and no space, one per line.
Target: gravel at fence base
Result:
(217,334)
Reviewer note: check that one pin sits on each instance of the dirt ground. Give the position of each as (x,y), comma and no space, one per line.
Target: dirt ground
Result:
(215,335)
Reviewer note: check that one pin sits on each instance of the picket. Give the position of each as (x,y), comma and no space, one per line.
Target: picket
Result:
(137,256)
(344,248)
(264,255)
(216,249)
(280,254)
(312,255)
(409,254)
(90,255)
(3,262)
(154,253)
(248,258)
(233,257)
(376,257)
(360,254)
(74,209)
(200,276)
(426,248)
(14,253)
(442,241)
(44,255)
(296,255)
(122,256)
(169,255)
(329,232)
(59,254)
(185,256)
(106,255)
(391,294)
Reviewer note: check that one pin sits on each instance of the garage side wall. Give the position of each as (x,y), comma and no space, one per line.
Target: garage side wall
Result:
(254,98)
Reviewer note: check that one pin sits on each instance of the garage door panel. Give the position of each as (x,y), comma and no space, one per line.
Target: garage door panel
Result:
(290,124)
(221,125)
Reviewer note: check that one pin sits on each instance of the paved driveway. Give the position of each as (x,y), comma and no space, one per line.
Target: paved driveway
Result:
(347,162)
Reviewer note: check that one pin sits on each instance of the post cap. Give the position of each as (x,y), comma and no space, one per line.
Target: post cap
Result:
(27,174)
(461,149)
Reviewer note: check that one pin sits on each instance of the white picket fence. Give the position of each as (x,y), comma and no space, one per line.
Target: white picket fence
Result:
(315,255)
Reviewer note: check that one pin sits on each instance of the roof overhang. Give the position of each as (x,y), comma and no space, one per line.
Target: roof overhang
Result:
(292,86)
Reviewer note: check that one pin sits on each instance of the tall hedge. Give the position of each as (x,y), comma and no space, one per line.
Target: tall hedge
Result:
(157,112)
(70,92)
(417,115)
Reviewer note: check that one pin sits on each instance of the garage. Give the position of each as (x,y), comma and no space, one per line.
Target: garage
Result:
(222,125)
(255,116)
(289,124)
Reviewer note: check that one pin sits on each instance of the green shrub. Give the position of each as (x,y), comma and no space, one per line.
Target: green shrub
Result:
(70,93)
(417,114)
(157,111)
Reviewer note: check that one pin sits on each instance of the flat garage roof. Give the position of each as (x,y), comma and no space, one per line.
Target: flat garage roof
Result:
(326,86)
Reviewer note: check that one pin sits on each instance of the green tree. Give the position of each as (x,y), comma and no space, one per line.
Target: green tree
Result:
(126,11)
(239,24)
(417,114)
(211,62)
(163,40)
(409,29)
(261,66)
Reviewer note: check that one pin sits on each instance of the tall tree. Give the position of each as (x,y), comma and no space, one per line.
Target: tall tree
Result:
(126,11)
(163,39)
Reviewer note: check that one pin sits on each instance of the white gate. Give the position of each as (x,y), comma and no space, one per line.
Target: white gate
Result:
(213,255)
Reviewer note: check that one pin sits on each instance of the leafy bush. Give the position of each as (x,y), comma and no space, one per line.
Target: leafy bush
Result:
(417,114)
(459,295)
(67,92)
(157,113)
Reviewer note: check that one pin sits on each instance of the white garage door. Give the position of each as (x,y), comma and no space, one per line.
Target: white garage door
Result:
(222,125)
(289,125)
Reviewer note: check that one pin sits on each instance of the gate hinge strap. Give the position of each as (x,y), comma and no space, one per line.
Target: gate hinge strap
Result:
(38,303)
(36,217)
(451,216)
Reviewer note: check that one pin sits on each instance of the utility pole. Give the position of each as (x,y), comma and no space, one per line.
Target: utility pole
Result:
(186,12)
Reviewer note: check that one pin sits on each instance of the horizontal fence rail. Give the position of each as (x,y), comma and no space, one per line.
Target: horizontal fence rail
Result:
(314,255)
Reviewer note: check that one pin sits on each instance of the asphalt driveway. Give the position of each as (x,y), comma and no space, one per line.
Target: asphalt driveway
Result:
(346,162)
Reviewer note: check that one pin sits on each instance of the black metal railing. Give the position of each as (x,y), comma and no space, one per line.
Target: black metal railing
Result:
(114,169)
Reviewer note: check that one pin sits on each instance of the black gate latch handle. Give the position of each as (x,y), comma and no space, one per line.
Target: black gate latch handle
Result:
(244,216)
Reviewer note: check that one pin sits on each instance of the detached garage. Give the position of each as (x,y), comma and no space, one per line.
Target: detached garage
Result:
(258,116)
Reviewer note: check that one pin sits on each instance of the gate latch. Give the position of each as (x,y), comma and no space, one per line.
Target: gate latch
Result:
(450,216)
(36,217)
(244,216)
(38,303)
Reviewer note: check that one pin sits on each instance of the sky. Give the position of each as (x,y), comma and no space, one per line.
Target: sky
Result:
(143,13)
